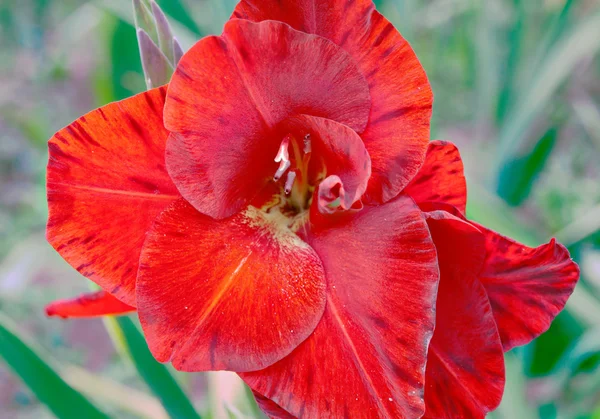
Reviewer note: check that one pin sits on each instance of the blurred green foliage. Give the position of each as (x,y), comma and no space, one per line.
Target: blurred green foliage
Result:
(47,385)
(517,87)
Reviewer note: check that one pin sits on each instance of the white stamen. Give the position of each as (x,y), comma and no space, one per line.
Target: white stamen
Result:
(283,158)
(289,182)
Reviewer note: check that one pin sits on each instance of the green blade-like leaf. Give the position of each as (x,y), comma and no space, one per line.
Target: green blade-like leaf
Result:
(518,176)
(515,36)
(157,376)
(177,10)
(582,42)
(514,401)
(42,380)
(127,72)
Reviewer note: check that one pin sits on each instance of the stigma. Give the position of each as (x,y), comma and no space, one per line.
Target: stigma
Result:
(283,158)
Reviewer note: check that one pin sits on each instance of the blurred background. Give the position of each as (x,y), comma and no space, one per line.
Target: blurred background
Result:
(517,87)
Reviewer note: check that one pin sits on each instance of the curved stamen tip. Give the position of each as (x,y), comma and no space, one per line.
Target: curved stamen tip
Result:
(289,182)
(283,166)
(283,158)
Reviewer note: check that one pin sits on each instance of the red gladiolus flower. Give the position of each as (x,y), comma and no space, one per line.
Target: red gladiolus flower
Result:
(278,211)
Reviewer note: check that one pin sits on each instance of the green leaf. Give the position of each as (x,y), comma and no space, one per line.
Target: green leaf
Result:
(127,73)
(516,35)
(518,176)
(548,349)
(491,211)
(179,12)
(514,401)
(42,380)
(156,375)
(582,42)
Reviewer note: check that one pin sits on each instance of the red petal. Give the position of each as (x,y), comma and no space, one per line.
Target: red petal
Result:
(441,178)
(465,364)
(270,408)
(229,94)
(527,287)
(106,183)
(398,130)
(338,150)
(237,294)
(367,355)
(94,304)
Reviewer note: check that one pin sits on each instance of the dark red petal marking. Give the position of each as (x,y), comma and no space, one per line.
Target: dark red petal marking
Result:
(270,408)
(236,294)
(441,178)
(367,355)
(229,94)
(398,132)
(93,304)
(106,183)
(465,364)
(527,287)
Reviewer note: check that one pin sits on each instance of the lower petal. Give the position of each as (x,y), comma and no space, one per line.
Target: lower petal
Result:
(465,364)
(237,294)
(95,304)
(367,355)
(527,287)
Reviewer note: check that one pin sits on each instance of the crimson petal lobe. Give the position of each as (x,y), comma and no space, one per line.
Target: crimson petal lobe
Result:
(236,294)
(366,358)
(106,183)
(230,94)
(527,287)
(465,364)
(95,304)
(441,179)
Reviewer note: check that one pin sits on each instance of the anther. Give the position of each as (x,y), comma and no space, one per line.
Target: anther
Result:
(283,158)
(289,182)
(307,144)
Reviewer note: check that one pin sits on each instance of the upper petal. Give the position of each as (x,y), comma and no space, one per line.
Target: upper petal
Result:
(366,358)
(441,179)
(337,150)
(236,294)
(106,183)
(527,287)
(465,364)
(229,95)
(94,304)
(398,131)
